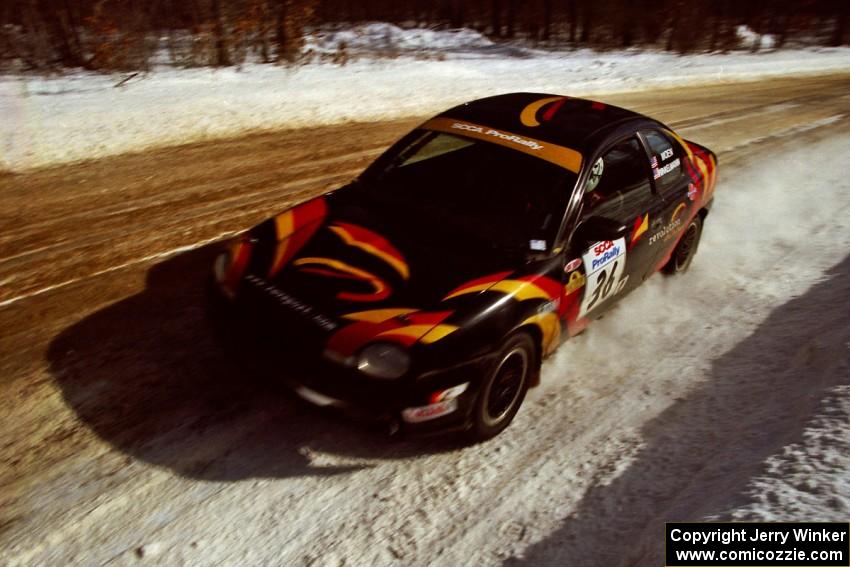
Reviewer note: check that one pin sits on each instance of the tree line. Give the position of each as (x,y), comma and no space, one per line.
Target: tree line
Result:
(134,34)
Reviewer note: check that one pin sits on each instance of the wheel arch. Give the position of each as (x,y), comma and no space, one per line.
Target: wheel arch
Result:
(536,335)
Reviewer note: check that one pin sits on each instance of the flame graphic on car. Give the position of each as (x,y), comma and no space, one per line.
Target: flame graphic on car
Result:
(369,242)
(399,325)
(341,270)
(294,228)
(528,116)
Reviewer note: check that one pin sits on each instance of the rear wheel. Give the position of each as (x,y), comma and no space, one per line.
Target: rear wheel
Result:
(685,250)
(503,391)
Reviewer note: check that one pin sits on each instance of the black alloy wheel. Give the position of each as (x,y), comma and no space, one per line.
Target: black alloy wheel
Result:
(503,391)
(685,250)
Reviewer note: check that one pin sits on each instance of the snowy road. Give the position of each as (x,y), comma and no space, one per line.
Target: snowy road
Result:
(127,438)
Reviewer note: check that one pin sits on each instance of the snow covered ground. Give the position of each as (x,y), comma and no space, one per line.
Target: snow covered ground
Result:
(53,120)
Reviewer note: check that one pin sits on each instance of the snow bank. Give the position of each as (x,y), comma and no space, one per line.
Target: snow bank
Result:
(750,39)
(53,120)
(378,37)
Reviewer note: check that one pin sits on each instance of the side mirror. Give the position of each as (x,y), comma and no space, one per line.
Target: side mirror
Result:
(596,229)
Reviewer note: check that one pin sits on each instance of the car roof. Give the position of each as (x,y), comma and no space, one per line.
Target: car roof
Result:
(562,120)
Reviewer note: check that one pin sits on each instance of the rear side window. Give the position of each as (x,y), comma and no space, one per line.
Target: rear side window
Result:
(665,158)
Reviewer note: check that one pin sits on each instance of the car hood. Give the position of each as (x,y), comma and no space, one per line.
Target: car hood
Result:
(354,264)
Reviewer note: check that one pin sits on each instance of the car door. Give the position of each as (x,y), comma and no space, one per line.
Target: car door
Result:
(674,188)
(618,192)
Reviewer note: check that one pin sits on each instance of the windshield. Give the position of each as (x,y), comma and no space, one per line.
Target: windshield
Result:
(474,189)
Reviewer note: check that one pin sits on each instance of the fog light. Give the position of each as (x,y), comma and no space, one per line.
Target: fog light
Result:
(222,265)
(448,394)
(431,411)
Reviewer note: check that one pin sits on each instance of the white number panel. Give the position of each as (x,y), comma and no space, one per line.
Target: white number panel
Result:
(604,264)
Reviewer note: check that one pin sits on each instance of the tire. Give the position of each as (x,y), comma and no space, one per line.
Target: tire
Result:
(503,390)
(686,249)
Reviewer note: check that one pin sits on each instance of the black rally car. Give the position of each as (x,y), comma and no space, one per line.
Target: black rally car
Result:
(428,291)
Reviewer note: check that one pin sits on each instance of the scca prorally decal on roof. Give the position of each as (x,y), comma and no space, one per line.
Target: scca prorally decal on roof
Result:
(463,126)
(559,155)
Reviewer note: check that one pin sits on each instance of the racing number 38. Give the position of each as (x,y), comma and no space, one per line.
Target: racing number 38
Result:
(603,286)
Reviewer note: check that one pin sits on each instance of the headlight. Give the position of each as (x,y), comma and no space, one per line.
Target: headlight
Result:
(222,266)
(383,360)
(230,265)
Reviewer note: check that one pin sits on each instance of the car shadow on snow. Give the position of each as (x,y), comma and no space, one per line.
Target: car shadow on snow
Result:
(701,452)
(147,376)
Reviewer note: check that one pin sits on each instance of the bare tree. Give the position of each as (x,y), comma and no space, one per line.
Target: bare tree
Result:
(546,27)
(292,17)
(572,16)
(458,15)
(496,17)
(511,19)
(220,35)
(63,20)
(587,12)
(839,31)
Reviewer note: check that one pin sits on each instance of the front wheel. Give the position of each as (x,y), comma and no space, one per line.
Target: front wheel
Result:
(503,391)
(685,250)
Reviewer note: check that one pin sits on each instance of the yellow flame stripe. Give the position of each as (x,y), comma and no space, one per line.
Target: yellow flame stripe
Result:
(713,167)
(437,333)
(343,267)
(427,333)
(682,143)
(528,116)
(378,315)
(522,290)
(470,289)
(696,160)
(703,169)
(519,289)
(713,170)
(347,237)
(644,226)
(550,328)
(414,331)
(677,211)
(576,282)
(283,227)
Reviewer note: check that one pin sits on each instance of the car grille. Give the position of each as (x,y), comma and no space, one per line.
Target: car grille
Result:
(281,322)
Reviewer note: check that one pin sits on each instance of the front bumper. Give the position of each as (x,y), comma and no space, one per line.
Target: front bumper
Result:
(284,352)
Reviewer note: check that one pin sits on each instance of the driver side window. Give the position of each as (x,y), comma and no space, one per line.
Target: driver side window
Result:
(618,186)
